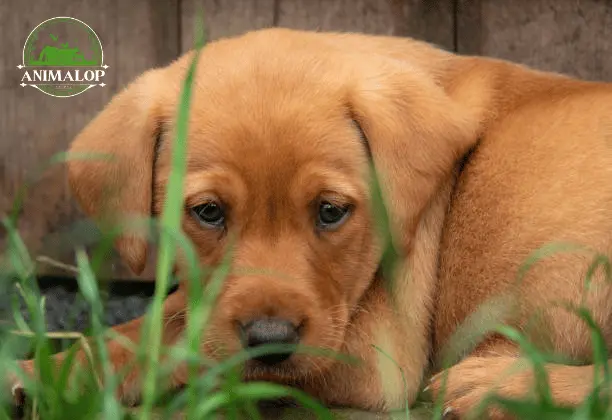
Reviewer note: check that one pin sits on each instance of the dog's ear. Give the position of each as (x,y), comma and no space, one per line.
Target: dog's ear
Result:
(110,169)
(416,134)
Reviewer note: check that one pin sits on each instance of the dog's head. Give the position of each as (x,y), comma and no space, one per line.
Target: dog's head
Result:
(283,126)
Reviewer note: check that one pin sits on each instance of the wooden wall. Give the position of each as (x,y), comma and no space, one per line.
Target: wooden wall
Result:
(573,36)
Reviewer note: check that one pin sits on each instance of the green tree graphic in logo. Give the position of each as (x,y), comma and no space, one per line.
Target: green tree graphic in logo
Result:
(63,57)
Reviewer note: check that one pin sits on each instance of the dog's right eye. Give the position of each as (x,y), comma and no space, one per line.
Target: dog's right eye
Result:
(330,216)
(210,214)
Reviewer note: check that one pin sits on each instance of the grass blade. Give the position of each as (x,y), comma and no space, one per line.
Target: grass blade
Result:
(170,221)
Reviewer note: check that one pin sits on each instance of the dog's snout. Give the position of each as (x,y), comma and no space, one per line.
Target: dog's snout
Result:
(270,331)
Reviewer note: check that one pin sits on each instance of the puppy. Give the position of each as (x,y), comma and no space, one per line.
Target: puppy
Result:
(480,162)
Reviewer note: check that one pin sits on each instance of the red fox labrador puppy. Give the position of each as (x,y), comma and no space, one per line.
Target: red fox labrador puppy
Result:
(480,161)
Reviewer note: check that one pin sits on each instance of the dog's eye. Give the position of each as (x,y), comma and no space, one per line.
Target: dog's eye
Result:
(330,215)
(210,214)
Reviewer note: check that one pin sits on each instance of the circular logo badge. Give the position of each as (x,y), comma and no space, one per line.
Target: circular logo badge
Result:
(63,57)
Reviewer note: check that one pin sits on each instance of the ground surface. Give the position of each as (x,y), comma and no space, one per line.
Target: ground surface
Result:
(67,311)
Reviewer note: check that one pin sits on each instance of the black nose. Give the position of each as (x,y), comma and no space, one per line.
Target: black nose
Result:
(270,331)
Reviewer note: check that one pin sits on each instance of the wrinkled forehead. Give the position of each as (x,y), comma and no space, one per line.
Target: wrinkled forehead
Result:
(272,118)
(271,122)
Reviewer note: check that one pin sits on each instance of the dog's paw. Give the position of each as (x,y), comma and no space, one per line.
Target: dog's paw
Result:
(13,386)
(466,387)
(17,392)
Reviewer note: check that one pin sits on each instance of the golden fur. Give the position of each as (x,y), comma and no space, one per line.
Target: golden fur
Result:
(481,161)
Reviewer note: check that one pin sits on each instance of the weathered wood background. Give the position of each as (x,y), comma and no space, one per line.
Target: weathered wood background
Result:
(570,36)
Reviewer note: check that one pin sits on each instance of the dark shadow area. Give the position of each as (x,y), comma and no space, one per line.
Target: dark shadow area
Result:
(66,310)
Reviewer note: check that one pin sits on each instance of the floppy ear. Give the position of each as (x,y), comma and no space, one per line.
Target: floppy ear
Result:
(416,134)
(119,184)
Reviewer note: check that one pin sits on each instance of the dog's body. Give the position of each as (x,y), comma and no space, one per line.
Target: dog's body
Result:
(481,163)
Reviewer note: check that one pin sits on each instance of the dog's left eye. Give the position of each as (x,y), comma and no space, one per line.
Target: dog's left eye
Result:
(330,216)
(210,214)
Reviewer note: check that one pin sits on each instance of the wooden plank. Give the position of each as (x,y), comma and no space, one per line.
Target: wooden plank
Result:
(432,21)
(224,18)
(571,37)
(152,28)
(135,36)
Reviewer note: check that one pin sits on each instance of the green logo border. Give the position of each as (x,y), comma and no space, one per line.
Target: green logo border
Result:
(99,55)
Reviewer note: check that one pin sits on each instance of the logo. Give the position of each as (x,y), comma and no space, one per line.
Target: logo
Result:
(63,57)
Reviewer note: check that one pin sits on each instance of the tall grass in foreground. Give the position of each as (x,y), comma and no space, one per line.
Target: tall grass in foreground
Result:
(215,388)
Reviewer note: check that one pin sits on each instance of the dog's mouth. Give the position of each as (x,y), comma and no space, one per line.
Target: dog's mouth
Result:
(283,371)
(284,367)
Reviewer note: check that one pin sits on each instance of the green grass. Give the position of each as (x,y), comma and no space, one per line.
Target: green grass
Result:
(57,395)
